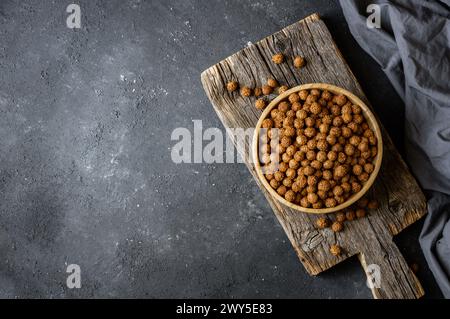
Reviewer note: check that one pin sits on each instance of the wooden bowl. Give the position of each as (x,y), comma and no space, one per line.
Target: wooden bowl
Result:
(371,121)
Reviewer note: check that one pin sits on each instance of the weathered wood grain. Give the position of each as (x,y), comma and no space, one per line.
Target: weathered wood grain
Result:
(401,200)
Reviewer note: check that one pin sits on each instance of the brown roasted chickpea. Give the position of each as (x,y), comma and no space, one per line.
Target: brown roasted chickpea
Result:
(299,62)
(232,86)
(260,104)
(246,91)
(267,89)
(278,58)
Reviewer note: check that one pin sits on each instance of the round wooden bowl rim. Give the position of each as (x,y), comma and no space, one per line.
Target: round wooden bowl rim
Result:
(372,122)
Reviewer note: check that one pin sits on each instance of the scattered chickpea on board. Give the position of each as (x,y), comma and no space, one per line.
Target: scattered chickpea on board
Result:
(337,227)
(335,250)
(246,91)
(232,86)
(278,58)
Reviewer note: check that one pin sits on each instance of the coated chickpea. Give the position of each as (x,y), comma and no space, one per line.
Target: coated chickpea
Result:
(335,250)
(327,119)
(309,121)
(274,183)
(315,108)
(328,175)
(299,156)
(325,148)
(340,171)
(299,62)
(312,144)
(267,89)
(294,164)
(332,155)
(246,91)
(330,202)
(260,104)
(338,121)
(327,96)
(368,167)
(373,204)
(308,171)
(322,222)
(298,123)
(338,191)
(283,107)
(296,106)
(288,182)
(310,131)
(289,196)
(331,139)
(347,118)
(349,150)
(355,140)
(312,180)
(310,155)
(316,165)
(317,205)
(291,172)
(272,82)
(279,176)
(232,86)
(363,147)
(285,141)
(346,187)
(350,215)
(296,187)
(335,131)
(301,114)
(328,164)
(347,109)
(342,157)
(303,94)
(358,118)
(340,100)
(324,128)
(357,169)
(356,187)
(278,58)
(321,156)
(283,167)
(356,109)
(312,198)
(322,145)
(302,180)
(337,227)
(293,98)
(360,213)
(324,185)
(346,132)
(282,190)
(311,99)
(282,89)
(340,217)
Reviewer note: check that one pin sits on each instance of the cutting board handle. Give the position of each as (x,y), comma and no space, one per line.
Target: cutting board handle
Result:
(388,274)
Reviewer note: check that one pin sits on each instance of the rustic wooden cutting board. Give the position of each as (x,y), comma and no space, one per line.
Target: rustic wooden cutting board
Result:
(401,200)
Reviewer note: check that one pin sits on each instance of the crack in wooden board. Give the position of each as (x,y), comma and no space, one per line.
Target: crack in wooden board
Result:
(401,200)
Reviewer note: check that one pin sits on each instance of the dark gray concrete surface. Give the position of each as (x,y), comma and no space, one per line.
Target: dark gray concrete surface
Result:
(86,175)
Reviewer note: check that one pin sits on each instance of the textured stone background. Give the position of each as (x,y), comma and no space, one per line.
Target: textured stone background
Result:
(85,170)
